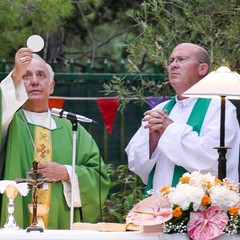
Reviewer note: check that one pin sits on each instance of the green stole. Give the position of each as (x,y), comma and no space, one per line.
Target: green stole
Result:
(195,120)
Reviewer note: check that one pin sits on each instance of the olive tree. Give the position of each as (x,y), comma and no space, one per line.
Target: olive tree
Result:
(164,24)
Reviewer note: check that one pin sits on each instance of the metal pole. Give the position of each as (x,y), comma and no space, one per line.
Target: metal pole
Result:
(74,136)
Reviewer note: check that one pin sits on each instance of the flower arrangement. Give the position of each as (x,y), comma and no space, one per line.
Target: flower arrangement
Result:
(200,205)
(203,206)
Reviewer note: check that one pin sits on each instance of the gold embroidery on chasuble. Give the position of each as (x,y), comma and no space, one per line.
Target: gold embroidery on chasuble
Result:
(43,153)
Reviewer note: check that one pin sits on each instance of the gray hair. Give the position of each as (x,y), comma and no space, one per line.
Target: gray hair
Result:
(203,56)
(50,70)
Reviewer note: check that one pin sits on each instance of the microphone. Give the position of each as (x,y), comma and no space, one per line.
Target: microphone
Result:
(71,116)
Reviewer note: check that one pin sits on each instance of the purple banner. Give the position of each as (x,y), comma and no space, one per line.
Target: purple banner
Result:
(152,102)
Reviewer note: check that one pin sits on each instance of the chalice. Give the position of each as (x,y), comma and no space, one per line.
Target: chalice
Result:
(11,189)
(42,209)
(11,193)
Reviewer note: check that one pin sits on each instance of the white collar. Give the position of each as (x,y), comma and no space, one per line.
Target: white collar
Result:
(43,119)
(185,101)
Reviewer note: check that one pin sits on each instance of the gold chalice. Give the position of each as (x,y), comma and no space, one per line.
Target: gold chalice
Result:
(11,193)
(42,209)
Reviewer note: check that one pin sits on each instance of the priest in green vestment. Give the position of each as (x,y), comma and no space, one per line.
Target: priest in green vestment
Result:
(26,122)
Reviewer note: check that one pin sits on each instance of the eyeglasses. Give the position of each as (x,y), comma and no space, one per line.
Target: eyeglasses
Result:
(180,60)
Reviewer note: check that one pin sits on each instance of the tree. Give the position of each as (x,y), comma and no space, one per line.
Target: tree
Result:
(73,29)
(212,24)
(99,30)
(164,24)
(21,18)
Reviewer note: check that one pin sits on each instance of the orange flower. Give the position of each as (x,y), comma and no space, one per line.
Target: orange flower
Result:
(206,200)
(185,179)
(231,186)
(165,190)
(217,181)
(233,211)
(177,212)
(207,184)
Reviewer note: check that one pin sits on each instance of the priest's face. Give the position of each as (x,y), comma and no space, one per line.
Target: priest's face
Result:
(185,68)
(39,86)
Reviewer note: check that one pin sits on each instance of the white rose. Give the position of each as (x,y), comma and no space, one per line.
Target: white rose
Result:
(224,197)
(184,194)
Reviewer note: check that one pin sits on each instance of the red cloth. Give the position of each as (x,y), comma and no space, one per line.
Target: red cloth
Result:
(56,103)
(108,108)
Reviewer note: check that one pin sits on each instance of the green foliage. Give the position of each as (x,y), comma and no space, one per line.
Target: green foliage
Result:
(76,30)
(164,24)
(126,190)
(22,18)
(100,29)
(136,91)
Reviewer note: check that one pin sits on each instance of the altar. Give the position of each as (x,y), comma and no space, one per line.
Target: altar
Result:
(94,235)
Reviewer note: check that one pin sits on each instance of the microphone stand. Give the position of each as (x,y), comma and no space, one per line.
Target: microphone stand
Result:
(74,118)
(74,130)
(74,136)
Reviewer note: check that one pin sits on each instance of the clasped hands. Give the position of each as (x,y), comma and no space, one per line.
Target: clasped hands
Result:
(157,120)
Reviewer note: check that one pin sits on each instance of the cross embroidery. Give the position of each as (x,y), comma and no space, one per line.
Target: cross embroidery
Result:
(43,136)
(43,150)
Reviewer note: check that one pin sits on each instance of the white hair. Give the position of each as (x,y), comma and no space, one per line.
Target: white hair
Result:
(50,70)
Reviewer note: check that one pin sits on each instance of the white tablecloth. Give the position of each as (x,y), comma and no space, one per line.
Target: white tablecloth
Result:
(93,235)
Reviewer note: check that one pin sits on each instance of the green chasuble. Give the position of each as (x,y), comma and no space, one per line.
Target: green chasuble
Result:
(19,158)
(195,120)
